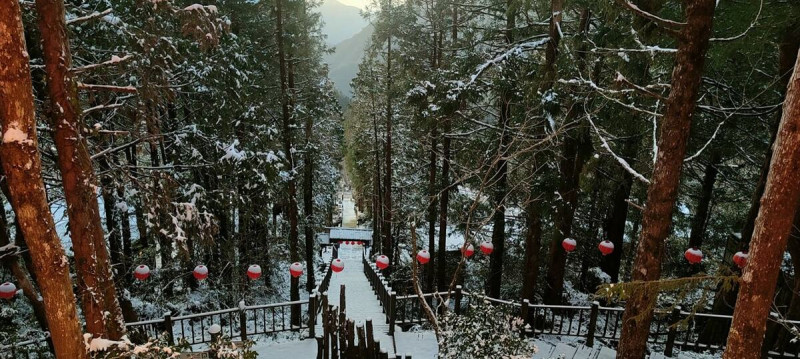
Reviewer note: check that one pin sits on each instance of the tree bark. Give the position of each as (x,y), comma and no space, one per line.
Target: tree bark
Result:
(20,273)
(533,243)
(576,150)
(615,223)
(499,179)
(386,225)
(444,195)
(95,280)
(693,42)
(770,235)
(286,76)
(22,165)
(700,219)
(308,203)
(432,206)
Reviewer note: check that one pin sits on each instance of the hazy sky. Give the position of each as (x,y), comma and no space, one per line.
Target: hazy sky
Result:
(361,4)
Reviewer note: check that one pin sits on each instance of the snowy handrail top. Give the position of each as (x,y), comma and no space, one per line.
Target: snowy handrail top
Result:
(197,315)
(273,305)
(27,342)
(145,322)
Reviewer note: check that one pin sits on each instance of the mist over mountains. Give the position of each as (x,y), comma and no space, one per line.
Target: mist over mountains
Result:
(349,34)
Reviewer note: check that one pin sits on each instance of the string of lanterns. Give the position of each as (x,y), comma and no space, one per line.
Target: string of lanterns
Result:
(693,255)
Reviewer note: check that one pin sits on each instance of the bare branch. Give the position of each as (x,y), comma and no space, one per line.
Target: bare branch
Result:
(667,24)
(91,16)
(619,159)
(113,61)
(111,88)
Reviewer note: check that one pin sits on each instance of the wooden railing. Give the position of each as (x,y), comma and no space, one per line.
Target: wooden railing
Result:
(33,348)
(343,338)
(669,330)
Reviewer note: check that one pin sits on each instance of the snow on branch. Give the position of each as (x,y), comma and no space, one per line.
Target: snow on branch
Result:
(111,88)
(89,17)
(752,25)
(113,61)
(516,50)
(661,22)
(101,108)
(619,159)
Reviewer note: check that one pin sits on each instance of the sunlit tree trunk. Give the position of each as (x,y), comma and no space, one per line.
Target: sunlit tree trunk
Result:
(770,235)
(693,42)
(98,293)
(22,165)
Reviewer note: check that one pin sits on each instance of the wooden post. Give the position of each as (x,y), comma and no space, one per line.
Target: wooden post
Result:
(673,331)
(342,301)
(312,315)
(592,323)
(168,328)
(352,350)
(376,349)
(457,300)
(392,311)
(370,339)
(362,342)
(334,333)
(242,321)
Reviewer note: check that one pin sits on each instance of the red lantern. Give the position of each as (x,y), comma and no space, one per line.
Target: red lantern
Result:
(693,255)
(254,271)
(296,269)
(423,256)
(337,265)
(141,272)
(469,251)
(200,272)
(487,248)
(740,258)
(569,244)
(7,290)
(382,262)
(606,247)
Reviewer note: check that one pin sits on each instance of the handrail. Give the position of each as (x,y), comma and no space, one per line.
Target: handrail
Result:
(261,306)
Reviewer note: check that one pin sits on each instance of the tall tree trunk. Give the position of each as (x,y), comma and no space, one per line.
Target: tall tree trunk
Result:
(575,153)
(308,203)
(700,219)
(770,235)
(725,299)
(615,223)
(377,192)
(22,165)
(286,76)
(386,225)
(444,195)
(499,179)
(432,207)
(20,273)
(533,243)
(95,280)
(675,125)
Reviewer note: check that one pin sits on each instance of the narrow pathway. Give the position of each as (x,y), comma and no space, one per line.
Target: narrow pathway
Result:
(361,302)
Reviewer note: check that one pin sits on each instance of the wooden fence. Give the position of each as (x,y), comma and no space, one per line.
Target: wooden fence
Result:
(669,330)
(242,322)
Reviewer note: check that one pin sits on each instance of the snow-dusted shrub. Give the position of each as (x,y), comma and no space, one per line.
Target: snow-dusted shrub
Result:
(485,331)
(156,349)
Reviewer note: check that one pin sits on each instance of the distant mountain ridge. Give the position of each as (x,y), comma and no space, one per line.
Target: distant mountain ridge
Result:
(343,62)
(341,21)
